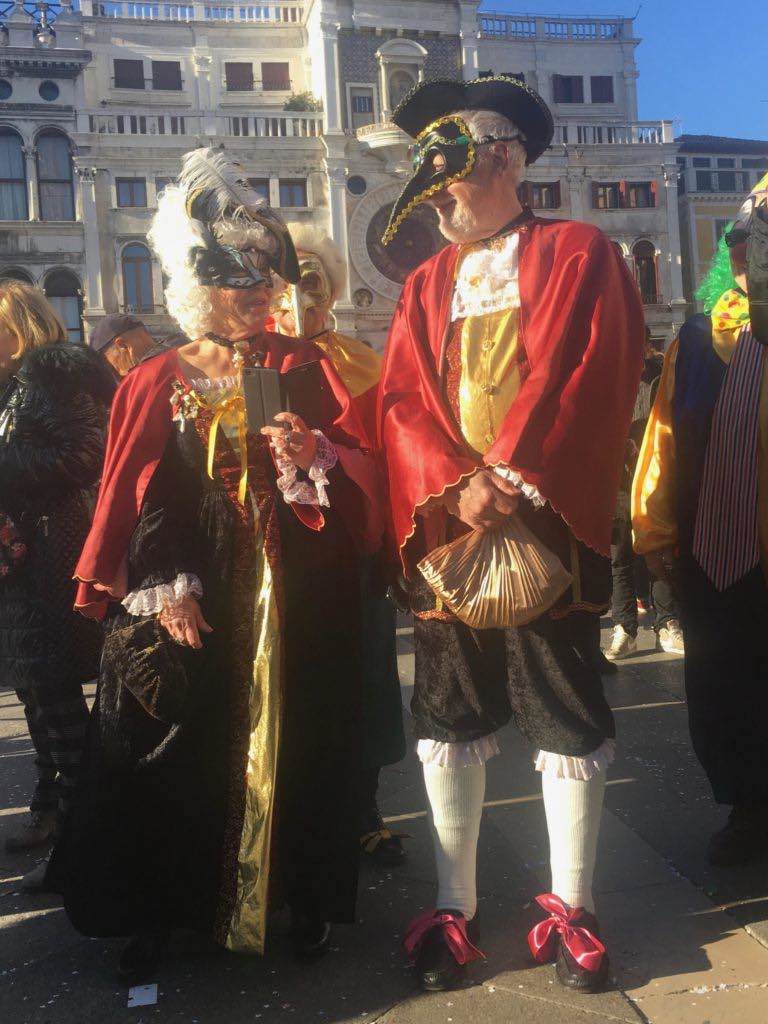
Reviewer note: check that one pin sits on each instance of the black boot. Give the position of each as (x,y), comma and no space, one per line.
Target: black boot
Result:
(141,958)
(310,937)
(744,837)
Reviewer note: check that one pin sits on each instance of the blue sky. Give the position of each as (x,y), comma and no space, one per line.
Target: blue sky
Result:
(699,60)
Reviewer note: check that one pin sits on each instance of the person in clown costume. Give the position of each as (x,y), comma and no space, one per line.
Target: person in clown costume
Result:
(700,517)
(305,310)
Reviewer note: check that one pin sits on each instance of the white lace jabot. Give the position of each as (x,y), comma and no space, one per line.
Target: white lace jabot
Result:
(487,279)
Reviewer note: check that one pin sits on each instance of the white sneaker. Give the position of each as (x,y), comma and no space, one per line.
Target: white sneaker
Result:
(622,645)
(671,638)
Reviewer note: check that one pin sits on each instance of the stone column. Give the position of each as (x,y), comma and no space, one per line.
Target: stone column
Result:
(332,85)
(576,179)
(677,298)
(386,113)
(202,63)
(88,215)
(469,33)
(33,192)
(337,208)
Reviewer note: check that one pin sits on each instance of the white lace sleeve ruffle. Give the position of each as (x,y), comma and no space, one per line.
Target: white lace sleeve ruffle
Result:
(440,754)
(152,600)
(312,491)
(579,768)
(528,490)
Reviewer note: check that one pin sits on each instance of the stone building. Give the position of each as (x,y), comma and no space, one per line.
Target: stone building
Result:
(715,175)
(302,93)
(41,235)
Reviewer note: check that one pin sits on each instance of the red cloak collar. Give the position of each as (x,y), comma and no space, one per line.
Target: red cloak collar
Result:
(139,428)
(581,332)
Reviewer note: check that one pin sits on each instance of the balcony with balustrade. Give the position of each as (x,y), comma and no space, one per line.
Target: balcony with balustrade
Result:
(269,14)
(633,133)
(500,25)
(172,128)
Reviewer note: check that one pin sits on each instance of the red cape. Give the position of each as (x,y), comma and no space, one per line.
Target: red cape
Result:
(139,428)
(581,330)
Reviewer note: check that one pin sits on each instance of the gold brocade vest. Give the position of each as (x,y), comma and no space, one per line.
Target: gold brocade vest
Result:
(483,373)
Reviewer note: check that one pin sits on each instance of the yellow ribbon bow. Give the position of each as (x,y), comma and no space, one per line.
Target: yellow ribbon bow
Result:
(234,409)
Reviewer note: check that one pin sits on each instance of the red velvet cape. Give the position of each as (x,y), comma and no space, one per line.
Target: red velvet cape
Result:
(139,428)
(581,332)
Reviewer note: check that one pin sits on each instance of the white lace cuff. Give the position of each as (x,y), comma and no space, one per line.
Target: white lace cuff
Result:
(153,599)
(312,491)
(579,768)
(528,490)
(442,754)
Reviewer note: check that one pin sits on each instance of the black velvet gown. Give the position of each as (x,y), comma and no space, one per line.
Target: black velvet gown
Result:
(223,781)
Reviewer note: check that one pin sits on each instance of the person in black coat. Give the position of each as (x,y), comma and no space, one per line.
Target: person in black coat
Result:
(54,403)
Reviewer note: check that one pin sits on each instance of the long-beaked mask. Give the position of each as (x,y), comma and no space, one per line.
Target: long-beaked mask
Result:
(312,290)
(443,153)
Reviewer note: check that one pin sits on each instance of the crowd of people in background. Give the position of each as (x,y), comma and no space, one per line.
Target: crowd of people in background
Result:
(171,528)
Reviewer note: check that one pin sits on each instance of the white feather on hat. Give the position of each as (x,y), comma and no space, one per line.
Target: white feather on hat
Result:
(308,239)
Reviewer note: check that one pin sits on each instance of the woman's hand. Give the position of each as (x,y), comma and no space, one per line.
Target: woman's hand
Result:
(183,620)
(294,440)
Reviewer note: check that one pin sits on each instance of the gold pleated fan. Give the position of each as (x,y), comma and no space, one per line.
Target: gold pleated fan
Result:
(498,578)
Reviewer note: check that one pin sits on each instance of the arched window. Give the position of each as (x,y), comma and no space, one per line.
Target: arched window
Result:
(63,291)
(15,274)
(137,279)
(644,258)
(13,177)
(54,176)
(400,84)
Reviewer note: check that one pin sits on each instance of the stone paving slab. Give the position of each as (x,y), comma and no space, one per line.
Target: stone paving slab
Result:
(676,955)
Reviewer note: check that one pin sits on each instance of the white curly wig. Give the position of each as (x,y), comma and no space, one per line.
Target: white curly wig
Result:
(172,236)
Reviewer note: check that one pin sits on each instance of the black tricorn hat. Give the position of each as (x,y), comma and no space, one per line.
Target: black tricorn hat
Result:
(503,94)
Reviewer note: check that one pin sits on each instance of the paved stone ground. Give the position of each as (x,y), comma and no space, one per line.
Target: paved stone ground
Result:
(688,943)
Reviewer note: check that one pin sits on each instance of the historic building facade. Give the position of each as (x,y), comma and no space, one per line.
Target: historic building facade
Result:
(715,175)
(302,93)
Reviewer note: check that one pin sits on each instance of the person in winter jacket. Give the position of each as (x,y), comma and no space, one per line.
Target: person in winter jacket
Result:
(54,403)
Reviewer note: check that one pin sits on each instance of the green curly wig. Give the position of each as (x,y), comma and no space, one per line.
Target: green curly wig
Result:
(719,278)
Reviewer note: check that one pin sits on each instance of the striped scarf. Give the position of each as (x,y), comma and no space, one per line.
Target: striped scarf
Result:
(726,543)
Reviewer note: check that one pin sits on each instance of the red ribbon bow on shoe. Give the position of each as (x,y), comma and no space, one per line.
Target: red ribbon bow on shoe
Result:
(455,932)
(585,948)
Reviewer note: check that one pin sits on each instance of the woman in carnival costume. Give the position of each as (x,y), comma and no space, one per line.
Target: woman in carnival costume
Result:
(224,747)
(304,310)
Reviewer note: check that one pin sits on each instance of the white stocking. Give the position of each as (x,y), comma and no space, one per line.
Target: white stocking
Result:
(456,804)
(573,808)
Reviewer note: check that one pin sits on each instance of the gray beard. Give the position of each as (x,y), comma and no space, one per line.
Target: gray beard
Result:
(458,224)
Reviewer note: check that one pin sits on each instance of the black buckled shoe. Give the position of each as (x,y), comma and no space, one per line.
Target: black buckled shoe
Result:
(141,958)
(570,973)
(570,937)
(441,949)
(380,844)
(310,937)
